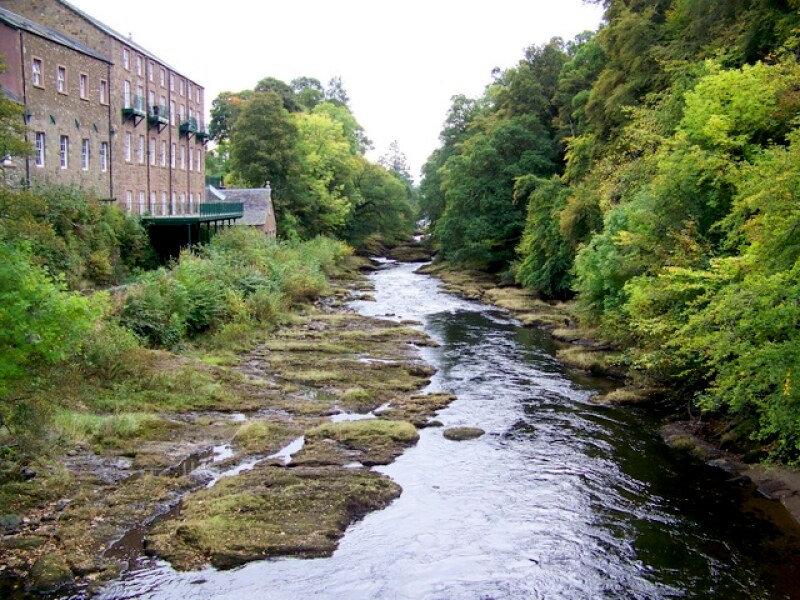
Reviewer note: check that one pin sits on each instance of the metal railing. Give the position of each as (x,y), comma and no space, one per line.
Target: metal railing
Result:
(186,208)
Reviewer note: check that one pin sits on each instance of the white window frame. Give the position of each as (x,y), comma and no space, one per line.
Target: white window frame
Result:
(172,82)
(191,160)
(129,200)
(199,161)
(152,152)
(141,201)
(163,153)
(102,91)
(140,150)
(183,157)
(127,96)
(36,71)
(139,65)
(40,140)
(103,157)
(172,153)
(85,154)
(172,112)
(163,203)
(63,151)
(163,77)
(128,144)
(61,79)
(126,59)
(153,200)
(83,85)
(150,68)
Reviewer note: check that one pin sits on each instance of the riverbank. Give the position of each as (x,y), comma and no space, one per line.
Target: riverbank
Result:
(583,349)
(281,447)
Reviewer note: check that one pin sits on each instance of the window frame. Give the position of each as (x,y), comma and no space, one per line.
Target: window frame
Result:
(126,59)
(85,154)
(62,85)
(37,78)
(40,145)
(103,157)
(128,146)
(102,92)
(63,152)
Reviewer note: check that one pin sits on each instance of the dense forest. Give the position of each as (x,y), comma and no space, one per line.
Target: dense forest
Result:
(651,171)
(305,141)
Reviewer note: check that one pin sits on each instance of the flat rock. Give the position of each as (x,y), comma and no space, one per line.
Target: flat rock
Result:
(458,434)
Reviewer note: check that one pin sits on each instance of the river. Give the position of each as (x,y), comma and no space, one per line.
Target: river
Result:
(560,499)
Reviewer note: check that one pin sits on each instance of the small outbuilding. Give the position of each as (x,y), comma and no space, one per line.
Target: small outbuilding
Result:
(257,205)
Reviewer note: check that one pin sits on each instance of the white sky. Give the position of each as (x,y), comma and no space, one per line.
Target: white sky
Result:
(400,62)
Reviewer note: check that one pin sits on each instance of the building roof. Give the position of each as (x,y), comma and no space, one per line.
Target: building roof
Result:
(115,34)
(18,22)
(257,202)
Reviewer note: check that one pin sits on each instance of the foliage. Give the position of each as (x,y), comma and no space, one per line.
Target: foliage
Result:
(75,236)
(241,277)
(546,257)
(40,321)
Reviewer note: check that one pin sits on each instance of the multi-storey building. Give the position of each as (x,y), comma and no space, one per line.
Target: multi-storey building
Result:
(60,82)
(154,123)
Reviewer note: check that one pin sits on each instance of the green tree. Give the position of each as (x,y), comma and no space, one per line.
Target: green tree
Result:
(263,142)
(308,92)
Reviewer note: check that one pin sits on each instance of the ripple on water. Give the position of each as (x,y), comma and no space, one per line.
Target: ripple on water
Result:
(561,499)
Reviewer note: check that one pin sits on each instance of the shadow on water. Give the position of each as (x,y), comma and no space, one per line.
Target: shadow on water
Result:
(560,499)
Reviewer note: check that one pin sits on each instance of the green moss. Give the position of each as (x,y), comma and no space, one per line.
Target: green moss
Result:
(270,511)
(370,441)
(262,437)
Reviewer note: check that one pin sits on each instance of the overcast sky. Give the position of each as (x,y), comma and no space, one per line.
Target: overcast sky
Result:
(400,62)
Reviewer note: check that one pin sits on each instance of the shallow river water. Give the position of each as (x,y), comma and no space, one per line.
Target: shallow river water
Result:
(560,499)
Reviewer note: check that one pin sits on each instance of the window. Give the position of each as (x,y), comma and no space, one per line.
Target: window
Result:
(191,160)
(183,203)
(140,150)
(163,203)
(141,202)
(103,157)
(199,164)
(150,68)
(172,157)
(153,151)
(61,79)
(128,141)
(103,91)
(152,206)
(172,204)
(126,59)
(139,100)
(83,84)
(181,87)
(172,112)
(183,157)
(128,200)
(40,148)
(64,151)
(197,95)
(172,82)
(191,199)
(189,89)
(126,94)
(151,98)
(163,77)
(138,65)
(36,78)
(85,154)
(182,113)
(163,154)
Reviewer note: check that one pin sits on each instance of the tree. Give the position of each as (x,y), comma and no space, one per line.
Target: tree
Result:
(308,92)
(224,111)
(282,89)
(263,142)
(12,126)
(395,162)
(336,92)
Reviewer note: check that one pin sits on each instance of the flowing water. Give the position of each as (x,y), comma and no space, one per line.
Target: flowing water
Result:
(560,499)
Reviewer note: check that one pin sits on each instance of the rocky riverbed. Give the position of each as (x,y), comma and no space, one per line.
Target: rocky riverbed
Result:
(314,406)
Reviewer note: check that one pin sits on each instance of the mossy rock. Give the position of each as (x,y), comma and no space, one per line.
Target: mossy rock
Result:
(459,434)
(49,574)
(269,511)
(369,441)
(417,409)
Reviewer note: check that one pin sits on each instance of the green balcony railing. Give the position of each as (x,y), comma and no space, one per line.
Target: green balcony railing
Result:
(222,209)
(158,115)
(189,126)
(133,107)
